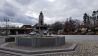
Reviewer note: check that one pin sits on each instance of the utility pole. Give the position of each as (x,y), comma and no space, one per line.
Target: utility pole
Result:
(6,21)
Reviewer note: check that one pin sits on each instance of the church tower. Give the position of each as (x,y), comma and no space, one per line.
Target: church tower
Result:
(41,19)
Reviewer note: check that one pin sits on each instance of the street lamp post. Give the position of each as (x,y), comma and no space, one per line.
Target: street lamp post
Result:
(6,20)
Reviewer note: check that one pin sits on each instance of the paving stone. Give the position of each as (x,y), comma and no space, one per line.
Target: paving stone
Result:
(85,48)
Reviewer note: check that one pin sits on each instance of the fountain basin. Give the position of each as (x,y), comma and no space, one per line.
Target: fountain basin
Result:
(44,41)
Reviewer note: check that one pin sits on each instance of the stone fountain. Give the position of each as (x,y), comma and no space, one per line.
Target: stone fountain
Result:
(37,44)
(40,40)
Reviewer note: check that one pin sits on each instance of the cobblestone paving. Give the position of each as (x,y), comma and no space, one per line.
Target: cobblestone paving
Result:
(5,54)
(84,48)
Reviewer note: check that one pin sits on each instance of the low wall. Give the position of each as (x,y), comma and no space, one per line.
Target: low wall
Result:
(40,42)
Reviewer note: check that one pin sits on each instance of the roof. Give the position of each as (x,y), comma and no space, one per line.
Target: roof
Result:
(26,26)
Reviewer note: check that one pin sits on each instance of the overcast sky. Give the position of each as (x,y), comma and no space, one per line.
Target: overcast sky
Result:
(27,11)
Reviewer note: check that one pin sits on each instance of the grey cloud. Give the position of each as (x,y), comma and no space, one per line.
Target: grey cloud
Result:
(25,19)
(14,14)
(10,10)
(65,8)
(58,10)
(24,2)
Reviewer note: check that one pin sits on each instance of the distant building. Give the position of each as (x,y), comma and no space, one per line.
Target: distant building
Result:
(25,29)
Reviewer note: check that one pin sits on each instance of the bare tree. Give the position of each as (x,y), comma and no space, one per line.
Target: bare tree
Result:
(71,25)
(57,26)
